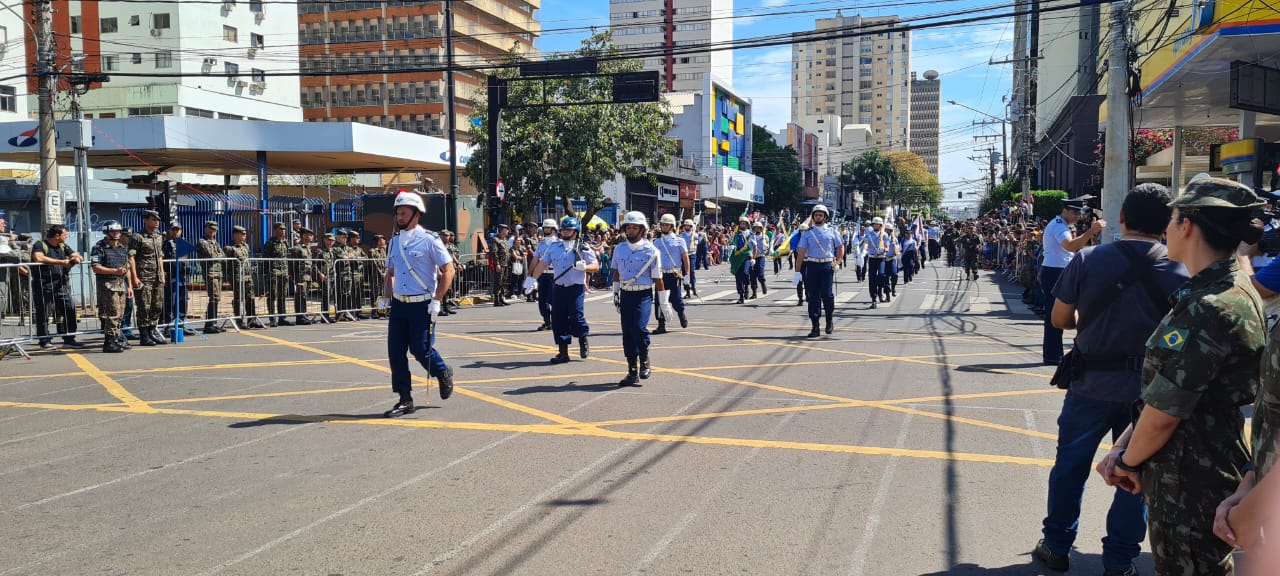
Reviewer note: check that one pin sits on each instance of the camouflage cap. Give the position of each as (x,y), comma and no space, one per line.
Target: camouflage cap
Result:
(239,228)
(340,232)
(278,226)
(328,236)
(302,231)
(150,214)
(1217,193)
(211,224)
(175,225)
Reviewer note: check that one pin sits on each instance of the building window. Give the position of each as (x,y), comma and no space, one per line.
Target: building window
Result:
(225,116)
(232,69)
(258,75)
(150,111)
(135,58)
(108,25)
(8,99)
(75,24)
(160,21)
(135,20)
(255,6)
(230,34)
(257,40)
(164,59)
(198,112)
(110,62)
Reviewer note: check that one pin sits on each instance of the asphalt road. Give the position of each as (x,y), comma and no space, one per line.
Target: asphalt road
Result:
(916,439)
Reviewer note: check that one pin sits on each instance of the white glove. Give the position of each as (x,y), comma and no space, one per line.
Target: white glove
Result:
(664,301)
(617,295)
(433,309)
(529,284)
(580,265)
(383,303)
(796,279)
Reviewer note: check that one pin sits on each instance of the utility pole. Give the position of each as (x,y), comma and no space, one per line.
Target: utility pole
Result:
(451,202)
(46,74)
(1115,172)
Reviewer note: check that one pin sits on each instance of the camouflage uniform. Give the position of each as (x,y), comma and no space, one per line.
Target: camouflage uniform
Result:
(1266,409)
(355,272)
(111,288)
(325,266)
(301,269)
(209,250)
(242,283)
(379,264)
(147,250)
(276,251)
(972,245)
(1202,363)
(502,269)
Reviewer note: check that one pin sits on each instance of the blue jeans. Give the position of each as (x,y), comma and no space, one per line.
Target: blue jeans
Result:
(410,330)
(1052,346)
(1081,427)
(635,309)
(567,317)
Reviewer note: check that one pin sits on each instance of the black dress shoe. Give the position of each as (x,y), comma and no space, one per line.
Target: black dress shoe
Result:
(830,326)
(662,329)
(1051,560)
(814,333)
(1130,571)
(446,384)
(543,326)
(584,348)
(73,344)
(400,409)
(284,322)
(303,322)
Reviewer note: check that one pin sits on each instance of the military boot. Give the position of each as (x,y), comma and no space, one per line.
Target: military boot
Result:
(632,378)
(563,356)
(145,339)
(662,328)
(830,325)
(645,371)
(112,346)
(815,332)
(684,320)
(124,343)
(584,348)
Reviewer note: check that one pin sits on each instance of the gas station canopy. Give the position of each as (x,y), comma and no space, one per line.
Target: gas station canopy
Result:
(232,147)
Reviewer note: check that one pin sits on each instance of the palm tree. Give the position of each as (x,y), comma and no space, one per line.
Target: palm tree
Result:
(871,173)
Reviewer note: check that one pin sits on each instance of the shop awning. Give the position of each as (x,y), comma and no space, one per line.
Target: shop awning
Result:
(709,205)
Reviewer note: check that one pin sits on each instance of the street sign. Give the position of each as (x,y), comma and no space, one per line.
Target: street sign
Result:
(632,87)
(1255,87)
(53,208)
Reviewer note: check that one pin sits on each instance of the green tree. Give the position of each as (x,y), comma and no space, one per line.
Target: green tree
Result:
(780,169)
(912,184)
(870,173)
(567,152)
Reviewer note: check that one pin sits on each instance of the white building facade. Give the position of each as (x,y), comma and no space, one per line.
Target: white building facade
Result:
(666,31)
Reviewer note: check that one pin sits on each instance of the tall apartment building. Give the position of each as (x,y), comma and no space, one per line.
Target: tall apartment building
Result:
(243,42)
(14,31)
(354,49)
(926,96)
(657,27)
(862,79)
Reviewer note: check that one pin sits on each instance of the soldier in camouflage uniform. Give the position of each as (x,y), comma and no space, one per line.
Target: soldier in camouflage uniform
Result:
(502,264)
(357,270)
(276,251)
(342,273)
(208,249)
(241,276)
(1186,451)
(110,260)
(378,260)
(450,244)
(326,256)
(972,244)
(301,270)
(147,250)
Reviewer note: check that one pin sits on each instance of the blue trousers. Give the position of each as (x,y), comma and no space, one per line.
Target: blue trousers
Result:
(819,280)
(1081,426)
(1052,345)
(567,318)
(673,285)
(743,277)
(545,288)
(411,331)
(635,308)
(879,281)
(757,274)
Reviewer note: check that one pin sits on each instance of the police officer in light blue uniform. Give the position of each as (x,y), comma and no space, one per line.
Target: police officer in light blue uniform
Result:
(759,248)
(674,252)
(892,259)
(546,280)
(877,243)
(690,241)
(413,294)
(573,260)
(637,272)
(819,249)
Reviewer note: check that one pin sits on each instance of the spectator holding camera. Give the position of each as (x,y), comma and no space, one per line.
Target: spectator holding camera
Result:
(1060,244)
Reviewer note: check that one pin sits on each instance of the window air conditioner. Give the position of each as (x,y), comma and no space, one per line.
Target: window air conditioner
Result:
(155,32)
(253,51)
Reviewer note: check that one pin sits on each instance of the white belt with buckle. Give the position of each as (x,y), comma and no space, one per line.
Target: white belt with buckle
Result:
(414,299)
(819,259)
(548,271)
(637,288)
(671,270)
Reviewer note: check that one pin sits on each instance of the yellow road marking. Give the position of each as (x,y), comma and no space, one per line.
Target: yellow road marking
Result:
(113,387)
(465,392)
(969,421)
(708,415)
(975,395)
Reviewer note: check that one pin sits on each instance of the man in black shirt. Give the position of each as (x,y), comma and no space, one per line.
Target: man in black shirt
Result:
(51,292)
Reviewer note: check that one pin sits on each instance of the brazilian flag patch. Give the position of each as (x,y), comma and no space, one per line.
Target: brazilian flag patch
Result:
(1173,339)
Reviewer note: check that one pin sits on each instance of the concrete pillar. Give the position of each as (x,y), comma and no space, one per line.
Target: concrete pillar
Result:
(1248,129)
(1175,171)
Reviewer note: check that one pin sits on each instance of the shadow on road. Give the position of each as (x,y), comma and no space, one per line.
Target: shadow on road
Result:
(513,365)
(569,387)
(990,367)
(296,419)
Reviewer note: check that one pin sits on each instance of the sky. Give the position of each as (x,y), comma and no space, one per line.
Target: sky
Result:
(960,54)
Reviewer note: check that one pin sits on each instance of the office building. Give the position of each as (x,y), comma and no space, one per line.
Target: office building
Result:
(925,98)
(662,32)
(861,78)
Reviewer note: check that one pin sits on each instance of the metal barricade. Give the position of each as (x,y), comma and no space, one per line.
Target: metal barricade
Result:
(41,302)
(199,293)
(308,290)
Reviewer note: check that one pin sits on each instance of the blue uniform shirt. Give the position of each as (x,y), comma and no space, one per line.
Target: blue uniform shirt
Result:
(819,242)
(638,263)
(541,252)
(688,240)
(877,242)
(759,245)
(910,245)
(671,247)
(561,257)
(891,246)
(424,252)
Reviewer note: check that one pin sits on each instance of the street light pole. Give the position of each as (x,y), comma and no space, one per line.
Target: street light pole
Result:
(1004,136)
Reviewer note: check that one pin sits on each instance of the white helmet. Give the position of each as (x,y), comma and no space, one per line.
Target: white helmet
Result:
(821,208)
(668,219)
(688,222)
(550,223)
(634,217)
(877,220)
(410,199)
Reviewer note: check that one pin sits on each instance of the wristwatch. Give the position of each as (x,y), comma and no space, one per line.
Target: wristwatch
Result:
(1127,468)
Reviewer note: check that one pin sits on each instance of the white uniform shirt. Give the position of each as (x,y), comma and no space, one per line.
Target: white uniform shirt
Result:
(1057,232)
(424,252)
